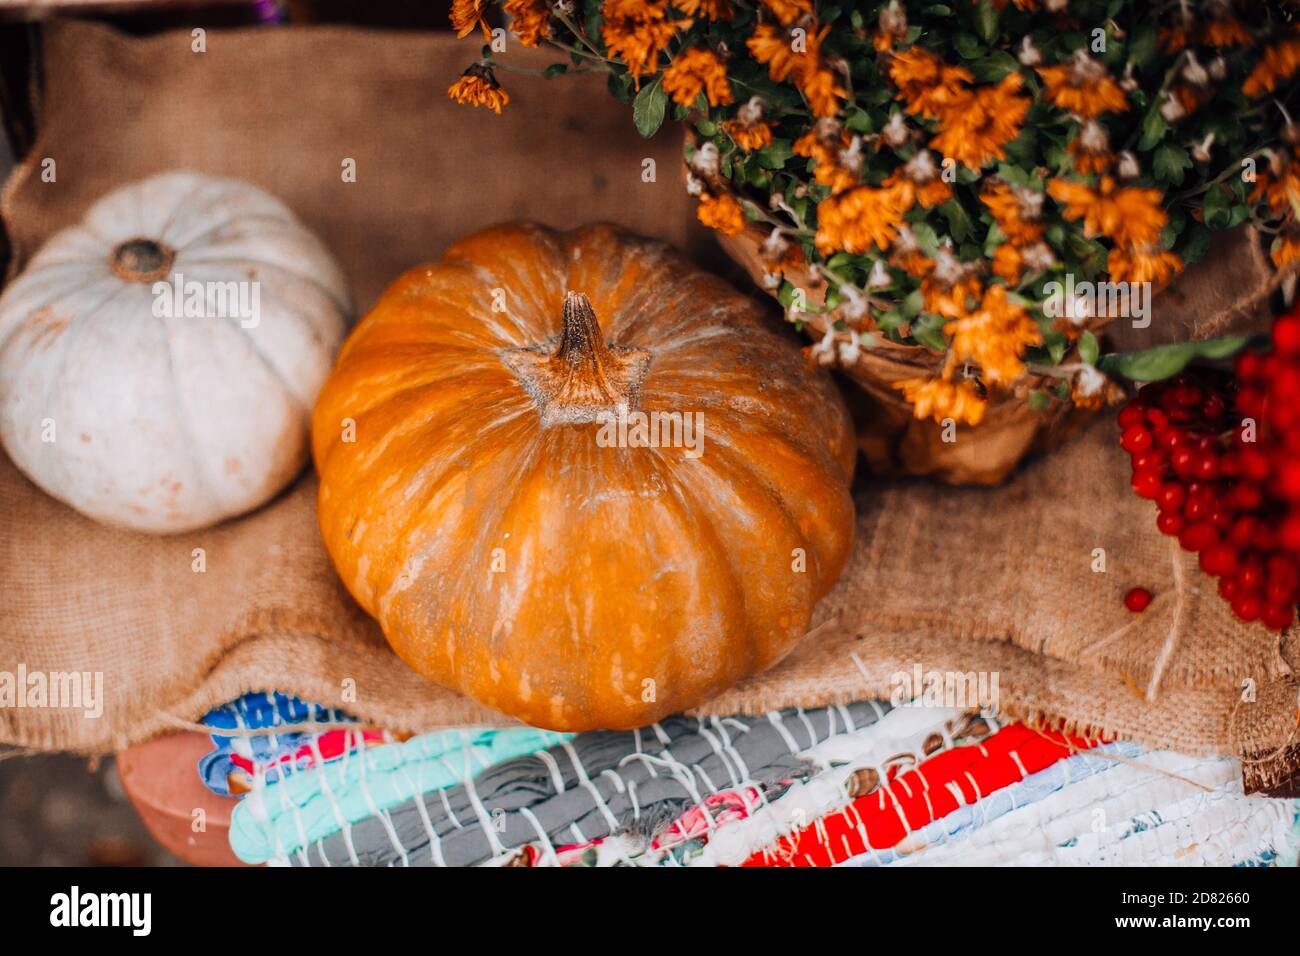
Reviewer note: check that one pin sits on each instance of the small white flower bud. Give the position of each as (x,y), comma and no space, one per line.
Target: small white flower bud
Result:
(1089,382)
(896,132)
(707,161)
(1172,109)
(1029,54)
(1201,151)
(1128,167)
(880,277)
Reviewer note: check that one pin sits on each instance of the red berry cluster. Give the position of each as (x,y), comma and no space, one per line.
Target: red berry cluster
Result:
(1220,457)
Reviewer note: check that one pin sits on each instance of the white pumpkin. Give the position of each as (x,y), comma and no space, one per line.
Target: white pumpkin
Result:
(159,361)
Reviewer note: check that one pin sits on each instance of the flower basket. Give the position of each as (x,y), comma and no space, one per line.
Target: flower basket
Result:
(892,439)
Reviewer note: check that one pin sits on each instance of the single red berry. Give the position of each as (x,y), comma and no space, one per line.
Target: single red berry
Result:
(1243,531)
(1183,461)
(1198,537)
(1131,414)
(1156,417)
(1153,460)
(1219,560)
(1171,497)
(1197,507)
(1135,439)
(1278,617)
(1286,335)
(1250,577)
(1249,365)
(1287,482)
(1254,463)
(1169,437)
(1137,600)
(1247,607)
(1207,466)
(1170,522)
(1246,496)
(1147,483)
(1289,533)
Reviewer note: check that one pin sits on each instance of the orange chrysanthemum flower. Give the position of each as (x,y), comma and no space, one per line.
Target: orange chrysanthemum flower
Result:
(1279,62)
(477,86)
(723,213)
(975,132)
(938,398)
(1091,149)
(1173,39)
(788,11)
(709,9)
(825,150)
(822,90)
(1280,191)
(1226,31)
(951,300)
(863,217)
(1014,211)
(1083,87)
(1130,216)
(922,173)
(466,15)
(928,86)
(773,46)
(749,136)
(1148,264)
(530,20)
(637,31)
(1286,249)
(694,71)
(1008,263)
(912,261)
(994,336)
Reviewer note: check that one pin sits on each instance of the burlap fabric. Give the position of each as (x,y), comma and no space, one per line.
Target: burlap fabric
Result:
(990,580)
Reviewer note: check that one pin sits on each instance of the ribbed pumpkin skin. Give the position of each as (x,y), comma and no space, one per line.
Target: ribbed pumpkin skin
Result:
(571,585)
(167,423)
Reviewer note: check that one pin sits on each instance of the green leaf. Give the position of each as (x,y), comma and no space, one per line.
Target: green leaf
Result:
(967,47)
(775,154)
(959,223)
(1152,365)
(986,21)
(1154,128)
(1055,342)
(1039,401)
(648,109)
(1196,243)
(1217,210)
(859,121)
(930,336)
(1169,163)
(556,69)
(926,237)
(1088,348)
(1142,47)
(994,67)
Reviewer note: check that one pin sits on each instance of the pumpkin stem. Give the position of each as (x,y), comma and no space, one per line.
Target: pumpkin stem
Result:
(584,376)
(582,343)
(142,260)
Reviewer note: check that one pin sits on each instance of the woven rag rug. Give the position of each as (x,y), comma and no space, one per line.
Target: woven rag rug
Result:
(951,581)
(864,783)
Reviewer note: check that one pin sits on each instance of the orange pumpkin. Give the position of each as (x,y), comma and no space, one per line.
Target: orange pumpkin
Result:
(487,494)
